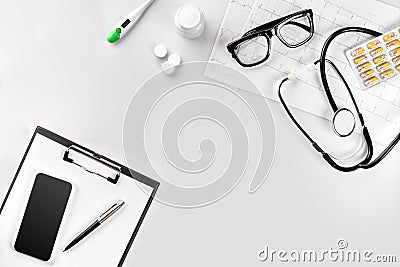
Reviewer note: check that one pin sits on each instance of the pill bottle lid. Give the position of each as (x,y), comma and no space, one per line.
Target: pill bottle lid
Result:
(188,17)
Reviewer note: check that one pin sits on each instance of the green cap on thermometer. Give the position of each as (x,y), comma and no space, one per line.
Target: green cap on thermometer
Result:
(114,35)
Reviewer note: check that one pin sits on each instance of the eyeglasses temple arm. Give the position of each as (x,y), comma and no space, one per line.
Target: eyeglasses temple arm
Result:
(267,26)
(304,27)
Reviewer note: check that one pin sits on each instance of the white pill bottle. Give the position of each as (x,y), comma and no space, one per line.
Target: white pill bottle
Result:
(189,20)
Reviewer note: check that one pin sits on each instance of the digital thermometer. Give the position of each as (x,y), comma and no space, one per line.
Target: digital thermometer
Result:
(127,22)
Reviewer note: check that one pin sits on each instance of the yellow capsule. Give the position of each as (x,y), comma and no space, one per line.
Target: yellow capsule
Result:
(364,66)
(395,52)
(398,68)
(373,44)
(377,51)
(358,52)
(389,37)
(368,74)
(396,60)
(394,44)
(387,74)
(380,59)
(383,66)
(372,81)
(359,60)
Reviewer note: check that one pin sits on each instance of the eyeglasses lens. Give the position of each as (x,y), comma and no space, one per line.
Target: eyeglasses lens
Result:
(252,51)
(297,30)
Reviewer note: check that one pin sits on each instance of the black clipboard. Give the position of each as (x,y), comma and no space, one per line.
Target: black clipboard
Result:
(70,145)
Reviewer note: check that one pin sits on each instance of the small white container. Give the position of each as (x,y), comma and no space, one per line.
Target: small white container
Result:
(189,20)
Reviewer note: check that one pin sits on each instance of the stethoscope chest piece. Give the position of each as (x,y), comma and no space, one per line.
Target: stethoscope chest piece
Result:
(344,122)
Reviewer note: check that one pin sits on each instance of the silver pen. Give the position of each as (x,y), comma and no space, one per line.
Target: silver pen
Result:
(102,218)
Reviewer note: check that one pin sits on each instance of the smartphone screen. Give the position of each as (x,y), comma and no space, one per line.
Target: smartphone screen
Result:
(43,216)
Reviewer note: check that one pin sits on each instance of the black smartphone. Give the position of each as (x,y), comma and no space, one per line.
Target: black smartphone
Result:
(43,216)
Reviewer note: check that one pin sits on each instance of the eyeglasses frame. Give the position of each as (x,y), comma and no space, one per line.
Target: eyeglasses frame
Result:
(268,30)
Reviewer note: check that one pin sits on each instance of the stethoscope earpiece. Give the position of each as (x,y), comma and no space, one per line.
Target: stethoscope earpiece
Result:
(344,122)
(292,76)
(311,67)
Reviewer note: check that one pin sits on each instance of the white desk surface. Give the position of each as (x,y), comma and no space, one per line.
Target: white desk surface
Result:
(57,71)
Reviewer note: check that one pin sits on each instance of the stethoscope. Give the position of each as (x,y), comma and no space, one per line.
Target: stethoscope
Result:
(344,120)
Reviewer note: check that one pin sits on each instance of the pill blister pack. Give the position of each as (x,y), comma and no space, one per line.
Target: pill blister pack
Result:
(376,60)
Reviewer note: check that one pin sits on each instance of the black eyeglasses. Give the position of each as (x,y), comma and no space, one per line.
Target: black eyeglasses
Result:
(254,47)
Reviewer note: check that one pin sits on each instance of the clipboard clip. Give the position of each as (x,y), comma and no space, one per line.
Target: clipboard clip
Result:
(96,157)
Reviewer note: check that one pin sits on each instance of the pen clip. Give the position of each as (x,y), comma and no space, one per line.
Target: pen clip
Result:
(111,211)
(96,157)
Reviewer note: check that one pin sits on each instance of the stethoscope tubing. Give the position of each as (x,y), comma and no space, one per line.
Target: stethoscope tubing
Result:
(323,60)
(366,163)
